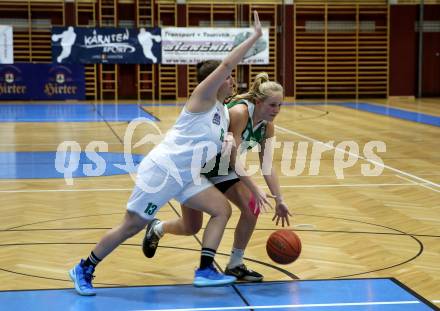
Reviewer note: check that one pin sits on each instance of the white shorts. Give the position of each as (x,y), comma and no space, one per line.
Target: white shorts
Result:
(155,187)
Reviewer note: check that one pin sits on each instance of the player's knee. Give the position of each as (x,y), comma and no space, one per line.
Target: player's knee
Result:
(227,210)
(222,209)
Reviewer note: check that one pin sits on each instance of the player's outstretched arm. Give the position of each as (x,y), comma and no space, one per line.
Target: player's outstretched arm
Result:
(270,176)
(204,95)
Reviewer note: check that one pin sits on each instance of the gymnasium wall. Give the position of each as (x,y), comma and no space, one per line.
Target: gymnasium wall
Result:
(403,50)
(35,18)
(404,41)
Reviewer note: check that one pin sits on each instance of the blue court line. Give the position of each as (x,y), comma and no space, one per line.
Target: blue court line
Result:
(395,113)
(316,295)
(49,164)
(71,113)
(367,107)
(178,104)
(128,112)
(381,110)
(313,104)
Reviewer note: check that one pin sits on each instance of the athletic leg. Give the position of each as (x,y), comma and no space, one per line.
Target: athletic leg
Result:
(130,226)
(189,224)
(214,203)
(141,208)
(239,194)
(82,273)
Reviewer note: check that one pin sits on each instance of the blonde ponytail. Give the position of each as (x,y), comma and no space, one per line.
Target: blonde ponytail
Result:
(260,89)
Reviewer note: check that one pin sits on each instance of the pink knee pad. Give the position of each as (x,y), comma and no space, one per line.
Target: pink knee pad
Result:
(252,204)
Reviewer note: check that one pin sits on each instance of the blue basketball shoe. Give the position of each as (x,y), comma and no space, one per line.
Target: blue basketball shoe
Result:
(82,278)
(211,277)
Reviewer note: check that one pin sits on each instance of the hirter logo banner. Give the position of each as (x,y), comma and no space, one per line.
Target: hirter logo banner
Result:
(42,81)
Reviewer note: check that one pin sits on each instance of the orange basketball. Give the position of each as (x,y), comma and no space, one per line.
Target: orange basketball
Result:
(283,246)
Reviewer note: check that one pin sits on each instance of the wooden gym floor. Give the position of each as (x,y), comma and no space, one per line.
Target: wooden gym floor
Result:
(352,227)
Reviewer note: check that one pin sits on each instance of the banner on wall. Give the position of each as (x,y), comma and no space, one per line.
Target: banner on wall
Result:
(190,45)
(106,45)
(42,82)
(6,45)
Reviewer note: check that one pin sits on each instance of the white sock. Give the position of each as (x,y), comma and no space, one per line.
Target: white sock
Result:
(158,229)
(236,258)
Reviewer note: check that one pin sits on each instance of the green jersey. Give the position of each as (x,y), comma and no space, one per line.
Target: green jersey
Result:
(250,137)
(252,134)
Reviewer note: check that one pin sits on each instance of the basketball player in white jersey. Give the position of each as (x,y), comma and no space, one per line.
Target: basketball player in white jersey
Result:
(251,123)
(202,123)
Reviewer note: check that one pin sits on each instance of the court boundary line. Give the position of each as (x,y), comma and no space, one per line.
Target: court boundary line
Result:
(414,293)
(87,179)
(416,183)
(394,113)
(282,186)
(358,156)
(401,108)
(311,305)
(422,300)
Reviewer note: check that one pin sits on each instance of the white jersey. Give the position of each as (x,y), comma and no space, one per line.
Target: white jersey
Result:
(194,139)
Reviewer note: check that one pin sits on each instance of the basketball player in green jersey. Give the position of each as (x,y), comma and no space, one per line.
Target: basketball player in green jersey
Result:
(251,123)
